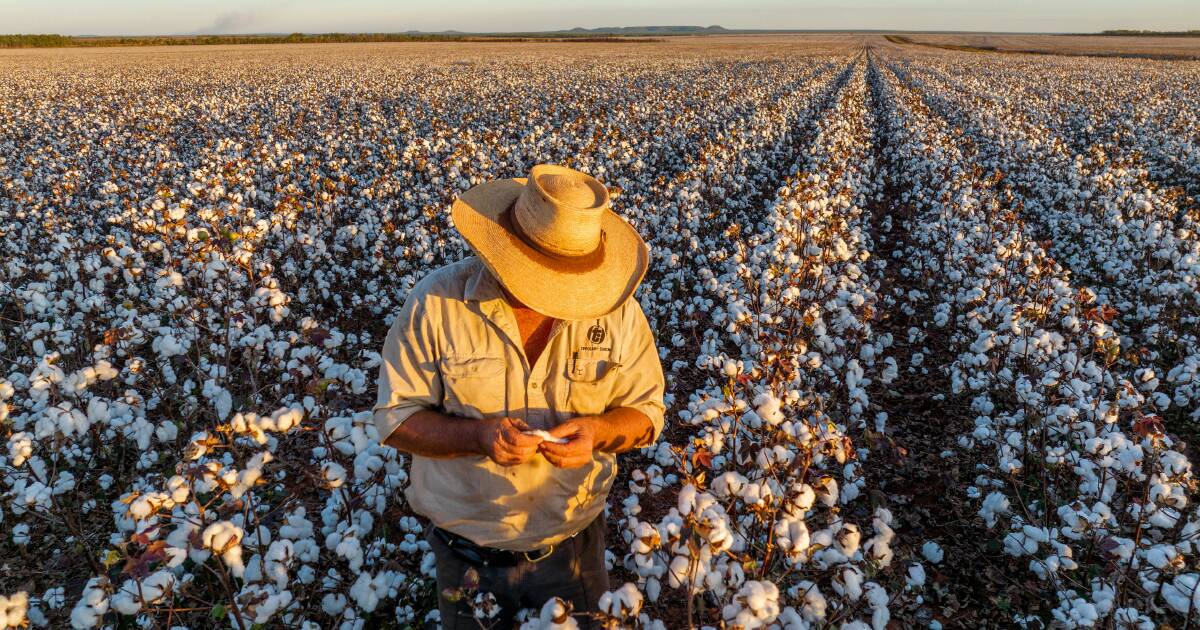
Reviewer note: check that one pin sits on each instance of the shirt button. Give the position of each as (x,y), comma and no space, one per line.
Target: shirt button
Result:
(535,385)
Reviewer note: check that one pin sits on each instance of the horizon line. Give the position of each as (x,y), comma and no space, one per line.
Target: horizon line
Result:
(599,30)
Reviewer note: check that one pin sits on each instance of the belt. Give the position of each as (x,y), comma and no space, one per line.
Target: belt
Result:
(490,556)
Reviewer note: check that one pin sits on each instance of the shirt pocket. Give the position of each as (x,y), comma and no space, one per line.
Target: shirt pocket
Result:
(474,386)
(590,385)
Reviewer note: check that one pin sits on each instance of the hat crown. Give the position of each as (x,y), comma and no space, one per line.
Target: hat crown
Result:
(560,211)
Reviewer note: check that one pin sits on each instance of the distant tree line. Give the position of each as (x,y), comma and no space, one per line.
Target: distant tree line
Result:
(63,41)
(34,41)
(1134,32)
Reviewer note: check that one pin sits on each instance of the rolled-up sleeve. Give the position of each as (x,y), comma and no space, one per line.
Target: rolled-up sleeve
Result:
(409,380)
(640,384)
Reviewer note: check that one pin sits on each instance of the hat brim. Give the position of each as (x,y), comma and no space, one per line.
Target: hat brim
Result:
(561,288)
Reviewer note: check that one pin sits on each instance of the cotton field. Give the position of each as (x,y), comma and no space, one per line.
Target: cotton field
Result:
(930,322)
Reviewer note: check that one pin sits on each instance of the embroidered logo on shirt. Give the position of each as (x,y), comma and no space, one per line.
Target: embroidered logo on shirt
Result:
(596,334)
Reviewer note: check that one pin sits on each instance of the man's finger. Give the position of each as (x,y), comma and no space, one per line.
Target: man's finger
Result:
(523,453)
(506,458)
(573,461)
(558,450)
(509,450)
(566,429)
(561,455)
(554,459)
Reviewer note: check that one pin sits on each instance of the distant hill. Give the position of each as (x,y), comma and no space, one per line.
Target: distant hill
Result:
(648,30)
(1140,33)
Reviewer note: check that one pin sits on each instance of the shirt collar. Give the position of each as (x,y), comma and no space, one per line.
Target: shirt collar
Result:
(481,285)
(483,288)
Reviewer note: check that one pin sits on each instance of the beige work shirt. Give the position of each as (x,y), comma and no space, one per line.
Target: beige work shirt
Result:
(455,348)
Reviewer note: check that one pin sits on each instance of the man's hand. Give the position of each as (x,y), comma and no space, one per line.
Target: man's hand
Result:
(502,440)
(580,434)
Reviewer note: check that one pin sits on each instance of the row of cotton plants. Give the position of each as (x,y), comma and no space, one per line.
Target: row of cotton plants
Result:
(768,528)
(1105,220)
(199,288)
(691,219)
(1077,475)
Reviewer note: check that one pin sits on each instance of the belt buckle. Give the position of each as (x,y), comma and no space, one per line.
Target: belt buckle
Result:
(532,560)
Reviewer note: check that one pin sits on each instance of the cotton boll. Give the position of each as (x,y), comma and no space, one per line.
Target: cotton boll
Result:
(55,597)
(333,604)
(621,603)
(1183,593)
(284,419)
(731,368)
(679,572)
(134,594)
(260,603)
(848,582)
(297,526)
(224,539)
(932,552)
(13,609)
(369,590)
(20,447)
(755,606)
(554,615)
(333,473)
(178,488)
(994,505)
(792,536)
(20,534)
(813,604)
(768,408)
(92,605)
(916,576)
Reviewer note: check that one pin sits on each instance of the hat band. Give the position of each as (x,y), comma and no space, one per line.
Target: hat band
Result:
(586,262)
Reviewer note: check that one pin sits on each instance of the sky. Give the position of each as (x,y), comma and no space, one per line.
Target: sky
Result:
(174,17)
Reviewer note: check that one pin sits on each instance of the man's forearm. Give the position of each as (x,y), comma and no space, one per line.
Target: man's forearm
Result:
(621,429)
(432,434)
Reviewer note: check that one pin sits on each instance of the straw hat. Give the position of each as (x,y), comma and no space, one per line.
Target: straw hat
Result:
(553,242)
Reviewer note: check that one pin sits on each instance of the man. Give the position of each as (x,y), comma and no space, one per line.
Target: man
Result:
(513,378)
